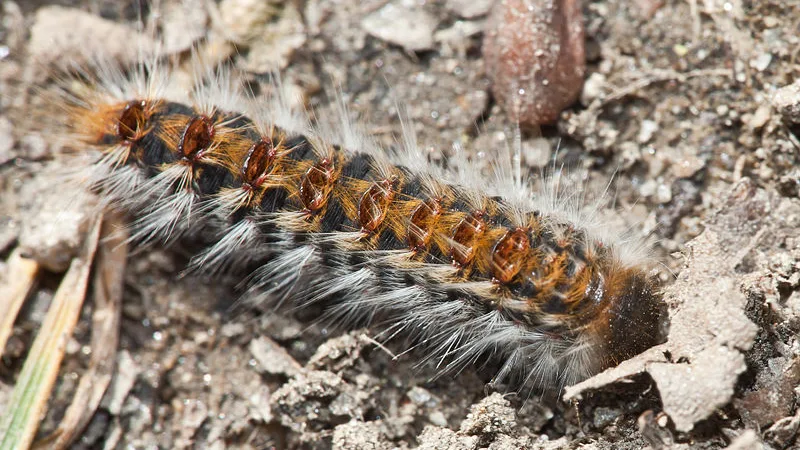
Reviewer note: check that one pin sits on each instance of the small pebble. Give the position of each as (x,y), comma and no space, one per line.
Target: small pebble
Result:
(410,28)
(459,32)
(469,9)
(647,130)
(55,230)
(61,34)
(761,62)
(491,415)
(604,416)
(273,358)
(786,102)
(593,88)
(184,23)
(537,152)
(437,418)
(243,19)
(760,117)
(687,166)
(34,147)
(648,188)
(272,37)
(663,193)
(422,397)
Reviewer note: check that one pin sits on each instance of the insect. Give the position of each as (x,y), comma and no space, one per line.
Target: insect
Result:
(471,270)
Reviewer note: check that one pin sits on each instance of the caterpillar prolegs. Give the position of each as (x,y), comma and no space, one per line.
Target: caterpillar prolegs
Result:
(473,271)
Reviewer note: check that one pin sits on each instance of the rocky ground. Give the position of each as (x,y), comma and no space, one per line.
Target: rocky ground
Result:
(687,104)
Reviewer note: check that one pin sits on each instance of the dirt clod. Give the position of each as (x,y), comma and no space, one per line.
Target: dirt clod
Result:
(535,57)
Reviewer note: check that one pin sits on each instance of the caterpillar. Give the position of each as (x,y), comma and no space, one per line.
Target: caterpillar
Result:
(473,269)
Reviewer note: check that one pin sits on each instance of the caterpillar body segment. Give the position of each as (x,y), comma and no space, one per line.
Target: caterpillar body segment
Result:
(473,272)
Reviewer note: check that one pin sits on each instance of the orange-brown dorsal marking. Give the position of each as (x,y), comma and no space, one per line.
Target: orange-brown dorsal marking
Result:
(509,253)
(196,138)
(374,204)
(466,235)
(258,163)
(131,121)
(316,185)
(423,222)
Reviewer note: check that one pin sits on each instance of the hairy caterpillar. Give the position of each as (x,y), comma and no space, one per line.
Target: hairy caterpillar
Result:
(472,270)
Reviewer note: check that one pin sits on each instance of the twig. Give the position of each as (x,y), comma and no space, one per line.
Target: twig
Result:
(35,383)
(19,280)
(108,282)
